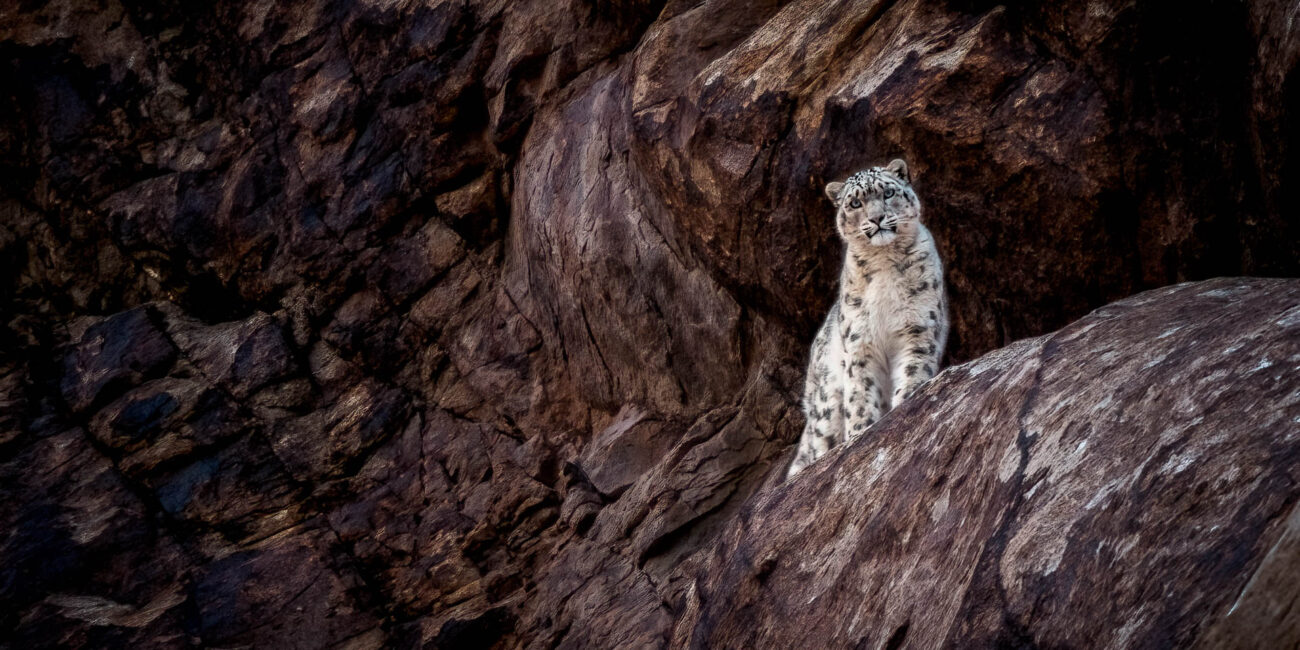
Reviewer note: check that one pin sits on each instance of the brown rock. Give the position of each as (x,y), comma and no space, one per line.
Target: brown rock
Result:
(492,317)
(241,356)
(13,403)
(114,354)
(164,420)
(93,571)
(1114,484)
(323,442)
(242,491)
(292,574)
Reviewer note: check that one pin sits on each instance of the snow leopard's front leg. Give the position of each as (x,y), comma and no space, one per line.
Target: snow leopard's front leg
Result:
(823,397)
(916,361)
(865,390)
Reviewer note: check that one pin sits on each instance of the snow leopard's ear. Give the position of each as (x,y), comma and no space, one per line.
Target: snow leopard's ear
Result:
(899,168)
(833,191)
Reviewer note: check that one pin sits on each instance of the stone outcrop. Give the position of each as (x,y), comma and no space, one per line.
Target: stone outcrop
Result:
(1124,482)
(460,324)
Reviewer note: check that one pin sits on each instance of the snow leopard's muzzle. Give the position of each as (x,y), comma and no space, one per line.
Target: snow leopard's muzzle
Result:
(879,234)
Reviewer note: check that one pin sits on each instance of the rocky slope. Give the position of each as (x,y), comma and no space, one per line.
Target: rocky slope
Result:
(1129,481)
(388,324)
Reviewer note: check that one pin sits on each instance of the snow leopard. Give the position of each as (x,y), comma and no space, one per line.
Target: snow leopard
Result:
(886,332)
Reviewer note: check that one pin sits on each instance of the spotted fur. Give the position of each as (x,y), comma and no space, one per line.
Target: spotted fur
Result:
(885,334)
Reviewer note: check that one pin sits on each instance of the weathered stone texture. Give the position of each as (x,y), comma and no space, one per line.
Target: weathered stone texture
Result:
(1117,483)
(460,324)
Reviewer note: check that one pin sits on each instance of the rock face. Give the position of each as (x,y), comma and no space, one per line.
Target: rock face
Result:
(461,324)
(1116,484)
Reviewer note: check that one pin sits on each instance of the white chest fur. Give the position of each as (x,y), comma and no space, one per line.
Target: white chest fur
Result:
(887,291)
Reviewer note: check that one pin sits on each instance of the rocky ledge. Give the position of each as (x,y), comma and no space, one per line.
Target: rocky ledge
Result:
(1130,481)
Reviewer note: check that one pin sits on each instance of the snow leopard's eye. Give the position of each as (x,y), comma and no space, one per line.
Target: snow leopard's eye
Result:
(855,203)
(889,193)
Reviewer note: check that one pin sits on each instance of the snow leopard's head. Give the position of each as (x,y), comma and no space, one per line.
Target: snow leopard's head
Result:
(875,205)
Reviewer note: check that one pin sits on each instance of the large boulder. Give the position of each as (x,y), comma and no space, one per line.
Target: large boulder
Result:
(1128,481)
